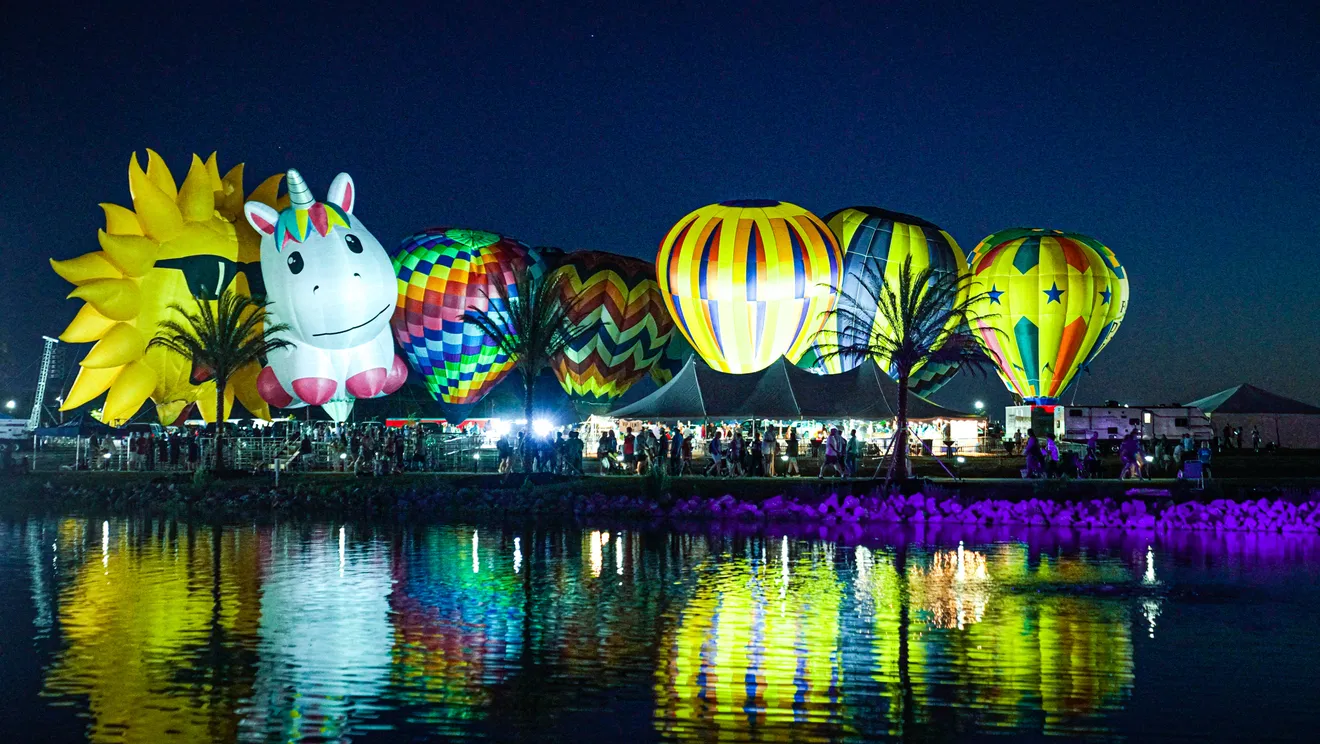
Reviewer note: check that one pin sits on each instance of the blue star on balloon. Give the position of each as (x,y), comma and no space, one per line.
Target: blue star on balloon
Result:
(995,293)
(1054,293)
(1107,295)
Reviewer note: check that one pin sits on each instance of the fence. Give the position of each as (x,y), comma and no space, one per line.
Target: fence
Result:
(436,452)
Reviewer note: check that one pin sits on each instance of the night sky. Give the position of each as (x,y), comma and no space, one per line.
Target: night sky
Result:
(1186,139)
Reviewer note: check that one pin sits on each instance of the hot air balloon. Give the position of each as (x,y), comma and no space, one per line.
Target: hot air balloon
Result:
(180,243)
(883,240)
(677,352)
(442,273)
(749,281)
(1050,302)
(619,303)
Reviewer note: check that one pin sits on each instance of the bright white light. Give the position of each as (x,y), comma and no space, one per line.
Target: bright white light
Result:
(1150,458)
(476,560)
(542,427)
(784,458)
(961,459)
(979,405)
(341,552)
(105,544)
(618,555)
(10,404)
(517,554)
(343,455)
(106,456)
(477,456)
(500,426)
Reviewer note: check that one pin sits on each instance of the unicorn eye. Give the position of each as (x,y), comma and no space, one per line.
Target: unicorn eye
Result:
(354,244)
(295,262)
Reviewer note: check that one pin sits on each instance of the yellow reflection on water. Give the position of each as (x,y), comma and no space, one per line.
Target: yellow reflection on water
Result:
(138,618)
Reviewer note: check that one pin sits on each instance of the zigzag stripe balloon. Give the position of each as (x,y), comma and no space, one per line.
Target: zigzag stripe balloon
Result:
(443,272)
(628,326)
(749,281)
(1055,299)
(677,352)
(883,240)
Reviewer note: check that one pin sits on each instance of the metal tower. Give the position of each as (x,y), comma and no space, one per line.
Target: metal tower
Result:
(39,401)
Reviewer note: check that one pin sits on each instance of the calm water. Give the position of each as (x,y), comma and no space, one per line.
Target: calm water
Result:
(159,630)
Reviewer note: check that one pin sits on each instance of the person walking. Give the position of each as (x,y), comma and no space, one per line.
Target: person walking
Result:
(854,457)
(834,447)
(716,449)
(769,451)
(791,450)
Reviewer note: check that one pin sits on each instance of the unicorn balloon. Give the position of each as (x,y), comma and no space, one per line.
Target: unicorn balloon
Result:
(332,283)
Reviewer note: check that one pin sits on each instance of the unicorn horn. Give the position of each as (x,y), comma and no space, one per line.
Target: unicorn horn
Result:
(300,197)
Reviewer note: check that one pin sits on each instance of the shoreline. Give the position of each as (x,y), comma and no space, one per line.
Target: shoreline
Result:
(1281,505)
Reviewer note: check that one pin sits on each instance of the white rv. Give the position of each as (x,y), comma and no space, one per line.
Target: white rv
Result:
(1110,422)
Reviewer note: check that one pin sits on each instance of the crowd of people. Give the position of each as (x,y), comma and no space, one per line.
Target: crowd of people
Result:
(1139,458)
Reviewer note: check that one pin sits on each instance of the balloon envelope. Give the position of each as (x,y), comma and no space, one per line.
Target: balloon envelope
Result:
(1050,302)
(882,240)
(677,352)
(444,272)
(749,281)
(626,325)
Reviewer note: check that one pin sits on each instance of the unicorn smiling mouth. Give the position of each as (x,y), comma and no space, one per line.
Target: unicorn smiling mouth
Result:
(354,328)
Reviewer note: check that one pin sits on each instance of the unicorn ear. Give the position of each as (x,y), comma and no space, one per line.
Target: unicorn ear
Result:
(261,217)
(342,194)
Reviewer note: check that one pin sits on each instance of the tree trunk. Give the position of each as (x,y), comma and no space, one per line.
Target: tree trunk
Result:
(219,423)
(529,391)
(898,465)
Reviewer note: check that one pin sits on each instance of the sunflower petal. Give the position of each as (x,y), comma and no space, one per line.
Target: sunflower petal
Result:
(155,208)
(196,197)
(120,220)
(128,393)
(90,383)
(231,202)
(159,173)
(133,254)
(213,170)
(87,326)
(88,267)
(268,191)
(120,345)
(117,299)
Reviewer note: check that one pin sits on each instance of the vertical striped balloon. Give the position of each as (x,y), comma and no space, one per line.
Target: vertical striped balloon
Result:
(618,301)
(1054,300)
(442,272)
(749,281)
(883,240)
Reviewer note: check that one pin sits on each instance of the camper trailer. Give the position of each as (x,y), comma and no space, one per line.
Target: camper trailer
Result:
(1110,422)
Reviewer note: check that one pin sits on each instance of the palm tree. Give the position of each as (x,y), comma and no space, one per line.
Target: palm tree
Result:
(532,329)
(925,319)
(222,338)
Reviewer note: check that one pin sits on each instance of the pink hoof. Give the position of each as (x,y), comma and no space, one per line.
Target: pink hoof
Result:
(271,390)
(314,391)
(397,376)
(367,383)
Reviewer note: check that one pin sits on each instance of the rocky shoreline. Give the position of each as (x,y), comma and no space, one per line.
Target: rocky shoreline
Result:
(1296,510)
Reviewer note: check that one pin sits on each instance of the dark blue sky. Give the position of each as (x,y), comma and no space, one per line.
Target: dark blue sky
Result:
(1185,137)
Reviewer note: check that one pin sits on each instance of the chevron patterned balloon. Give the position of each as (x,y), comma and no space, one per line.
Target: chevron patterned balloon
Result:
(627,325)
(677,353)
(442,273)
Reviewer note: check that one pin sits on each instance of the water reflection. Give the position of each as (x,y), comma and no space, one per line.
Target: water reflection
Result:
(162,630)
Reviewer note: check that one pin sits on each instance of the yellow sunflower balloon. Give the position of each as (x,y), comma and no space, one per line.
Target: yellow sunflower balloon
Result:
(179,242)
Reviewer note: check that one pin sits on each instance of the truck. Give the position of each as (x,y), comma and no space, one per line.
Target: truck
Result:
(1109,422)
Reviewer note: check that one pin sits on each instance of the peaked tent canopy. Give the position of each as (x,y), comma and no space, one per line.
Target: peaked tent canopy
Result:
(780,391)
(1287,422)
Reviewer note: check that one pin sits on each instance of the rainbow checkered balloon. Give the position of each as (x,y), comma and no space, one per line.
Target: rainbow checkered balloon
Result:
(443,272)
(1054,300)
(627,325)
(749,281)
